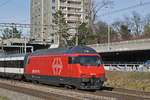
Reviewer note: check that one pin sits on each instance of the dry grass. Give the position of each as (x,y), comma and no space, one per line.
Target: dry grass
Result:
(1,98)
(129,80)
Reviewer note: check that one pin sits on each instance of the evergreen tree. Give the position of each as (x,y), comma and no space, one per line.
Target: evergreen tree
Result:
(84,37)
(82,34)
(125,32)
(147,29)
(62,26)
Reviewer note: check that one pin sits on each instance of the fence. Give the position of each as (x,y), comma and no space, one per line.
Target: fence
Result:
(127,67)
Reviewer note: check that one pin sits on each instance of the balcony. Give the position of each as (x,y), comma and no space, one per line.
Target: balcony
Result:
(73,18)
(73,21)
(74,1)
(71,5)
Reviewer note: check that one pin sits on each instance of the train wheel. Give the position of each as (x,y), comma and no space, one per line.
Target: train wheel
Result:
(35,82)
(70,86)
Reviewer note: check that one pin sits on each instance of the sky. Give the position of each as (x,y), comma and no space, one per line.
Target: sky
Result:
(18,11)
(120,4)
(15,11)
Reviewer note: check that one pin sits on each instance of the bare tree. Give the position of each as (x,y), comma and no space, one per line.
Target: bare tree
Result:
(135,23)
(122,29)
(101,31)
(97,7)
(116,26)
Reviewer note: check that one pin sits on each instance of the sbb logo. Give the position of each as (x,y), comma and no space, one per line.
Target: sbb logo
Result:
(57,66)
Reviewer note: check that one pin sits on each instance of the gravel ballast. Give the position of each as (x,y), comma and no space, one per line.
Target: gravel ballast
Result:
(11,95)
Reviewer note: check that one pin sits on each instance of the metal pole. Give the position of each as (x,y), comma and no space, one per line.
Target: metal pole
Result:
(32,49)
(108,37)
(2,48)
(77,25)
(21,48)
(77,36)
(58,38)
(12,31)
(42,15)
(25,48)
(58,4)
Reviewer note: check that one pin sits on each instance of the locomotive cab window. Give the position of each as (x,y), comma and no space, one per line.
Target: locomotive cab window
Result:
(86,60)
(90,61)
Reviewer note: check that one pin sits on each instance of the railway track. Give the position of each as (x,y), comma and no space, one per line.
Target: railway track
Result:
(121,94)
(49,92)
(129,92)
(36,93)
(60,93)
(126,94)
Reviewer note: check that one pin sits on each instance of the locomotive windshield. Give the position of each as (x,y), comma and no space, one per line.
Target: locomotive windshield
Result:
(86,60)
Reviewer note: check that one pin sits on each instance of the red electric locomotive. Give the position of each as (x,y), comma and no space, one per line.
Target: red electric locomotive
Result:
(79,67)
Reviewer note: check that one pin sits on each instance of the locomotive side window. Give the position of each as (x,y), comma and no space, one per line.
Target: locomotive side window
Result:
(70,60)
(73,60)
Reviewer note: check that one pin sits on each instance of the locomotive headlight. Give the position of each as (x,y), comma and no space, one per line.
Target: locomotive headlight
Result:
(101,75)
(83,75)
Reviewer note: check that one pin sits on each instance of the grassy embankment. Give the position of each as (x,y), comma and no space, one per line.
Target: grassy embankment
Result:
(1,98)
(128,80)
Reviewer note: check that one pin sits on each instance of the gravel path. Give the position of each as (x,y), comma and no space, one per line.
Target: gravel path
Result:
(11,95)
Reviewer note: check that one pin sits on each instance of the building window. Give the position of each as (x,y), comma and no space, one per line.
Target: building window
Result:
(86,4)
(53,1)
(53,7)
(53,14)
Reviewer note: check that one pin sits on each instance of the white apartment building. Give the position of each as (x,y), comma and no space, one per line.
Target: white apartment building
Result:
(42,12)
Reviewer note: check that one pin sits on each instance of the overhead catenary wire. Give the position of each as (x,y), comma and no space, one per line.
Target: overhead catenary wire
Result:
(27,25)
(127,8)
(4,3)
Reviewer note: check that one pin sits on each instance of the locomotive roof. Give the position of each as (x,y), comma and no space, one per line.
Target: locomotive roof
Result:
(64,50)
